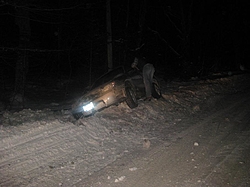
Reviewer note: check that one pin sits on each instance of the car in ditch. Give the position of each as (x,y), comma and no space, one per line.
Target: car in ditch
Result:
(112,88)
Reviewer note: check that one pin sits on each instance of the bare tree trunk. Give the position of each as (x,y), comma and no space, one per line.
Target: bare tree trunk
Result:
(127,18)
(142,17)
(126,33)
(109,36)
(186,24)
(22,20)
(60,39)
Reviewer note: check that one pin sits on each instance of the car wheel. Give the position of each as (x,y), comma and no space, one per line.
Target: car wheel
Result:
(156,91)
(131,97)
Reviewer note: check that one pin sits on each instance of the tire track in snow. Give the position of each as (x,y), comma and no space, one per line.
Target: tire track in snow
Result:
(45,149)
(56,152)
(37,143)
(41,147)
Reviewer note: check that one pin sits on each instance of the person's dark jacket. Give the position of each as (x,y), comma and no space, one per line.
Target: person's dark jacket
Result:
(141,63)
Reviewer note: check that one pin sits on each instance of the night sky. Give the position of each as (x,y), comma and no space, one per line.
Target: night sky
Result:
(68,39)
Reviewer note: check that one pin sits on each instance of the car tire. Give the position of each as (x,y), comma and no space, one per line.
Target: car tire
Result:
(131,97)
(156,90)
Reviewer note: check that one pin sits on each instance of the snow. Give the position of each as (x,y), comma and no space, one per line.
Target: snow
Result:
(54,148)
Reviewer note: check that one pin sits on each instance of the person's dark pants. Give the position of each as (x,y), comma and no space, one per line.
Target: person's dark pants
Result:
(148,73)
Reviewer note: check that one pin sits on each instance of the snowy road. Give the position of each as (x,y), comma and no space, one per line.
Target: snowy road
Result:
(214,151)
(197,136)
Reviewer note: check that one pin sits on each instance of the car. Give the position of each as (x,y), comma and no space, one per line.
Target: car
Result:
(112,88)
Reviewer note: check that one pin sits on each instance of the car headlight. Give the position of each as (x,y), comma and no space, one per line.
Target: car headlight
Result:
(88,107)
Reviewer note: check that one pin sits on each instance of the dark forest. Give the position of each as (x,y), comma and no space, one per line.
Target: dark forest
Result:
(46,41)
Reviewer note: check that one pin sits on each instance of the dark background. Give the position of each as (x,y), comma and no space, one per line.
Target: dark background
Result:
(68,38)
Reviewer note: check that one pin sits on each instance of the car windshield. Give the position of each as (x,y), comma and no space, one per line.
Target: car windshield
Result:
(108,77)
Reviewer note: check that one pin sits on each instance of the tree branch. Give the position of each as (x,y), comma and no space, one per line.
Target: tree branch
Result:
(165,41)
(171,21)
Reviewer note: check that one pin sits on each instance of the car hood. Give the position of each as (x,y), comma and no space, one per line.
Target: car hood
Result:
(94,94)
(89,96)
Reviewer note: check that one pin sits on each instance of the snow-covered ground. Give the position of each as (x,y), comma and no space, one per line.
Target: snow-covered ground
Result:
(44,145)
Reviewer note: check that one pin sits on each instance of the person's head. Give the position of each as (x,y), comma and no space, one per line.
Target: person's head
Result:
(135,63)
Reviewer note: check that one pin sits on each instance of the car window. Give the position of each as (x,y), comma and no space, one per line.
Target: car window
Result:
(108,77)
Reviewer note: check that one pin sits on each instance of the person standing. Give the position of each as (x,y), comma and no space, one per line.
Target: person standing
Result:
(148,71)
